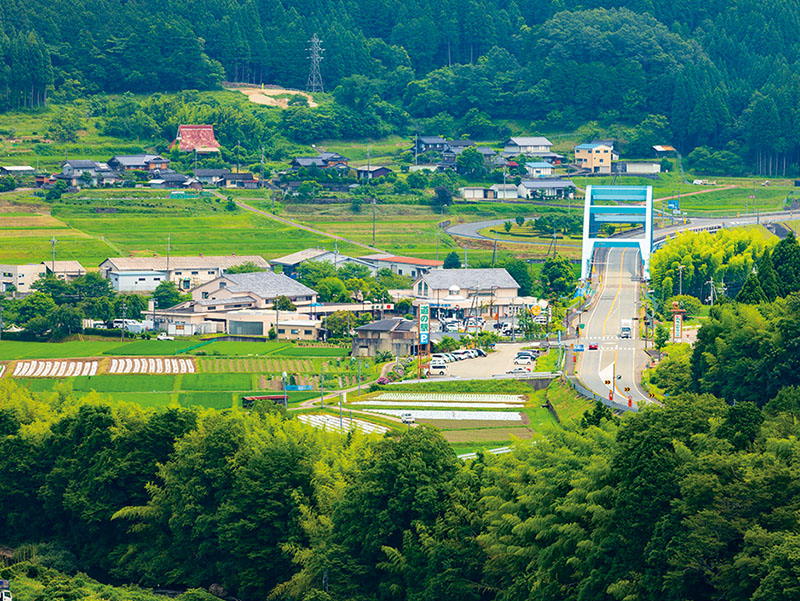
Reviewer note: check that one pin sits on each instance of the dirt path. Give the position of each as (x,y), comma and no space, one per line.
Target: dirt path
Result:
(273,96)
(696,193)
(285,221)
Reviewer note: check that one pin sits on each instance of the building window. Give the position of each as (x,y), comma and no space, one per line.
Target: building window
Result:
(308,332)
(210,273)
(281,331)
(204,295)
(141,279)
(295,332)
(212,308)
(223,284)
(194,273)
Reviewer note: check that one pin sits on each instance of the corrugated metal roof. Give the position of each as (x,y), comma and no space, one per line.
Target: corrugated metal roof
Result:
(530,141)
(267,284)
(302,255)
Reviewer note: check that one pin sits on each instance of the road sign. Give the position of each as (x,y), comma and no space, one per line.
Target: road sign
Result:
(677,327)
(651,395)
(608,382)
(582,325)
(627,389)
(578,348)
(424,324)
(535,310)
(673,204)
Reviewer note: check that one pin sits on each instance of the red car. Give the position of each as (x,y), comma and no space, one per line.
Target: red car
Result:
(593,346)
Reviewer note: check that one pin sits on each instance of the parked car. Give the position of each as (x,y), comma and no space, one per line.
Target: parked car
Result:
(437,367)
(519,370)
(461,354)
(592,346)
(481,352)
(164,336)
(523,360)
(441,356)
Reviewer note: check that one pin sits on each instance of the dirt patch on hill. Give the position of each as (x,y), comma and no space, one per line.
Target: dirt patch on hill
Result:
(274,96)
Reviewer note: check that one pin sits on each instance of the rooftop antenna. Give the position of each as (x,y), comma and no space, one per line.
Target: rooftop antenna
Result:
(314,83)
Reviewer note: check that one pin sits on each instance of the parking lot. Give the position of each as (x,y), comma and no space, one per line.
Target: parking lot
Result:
(498,362)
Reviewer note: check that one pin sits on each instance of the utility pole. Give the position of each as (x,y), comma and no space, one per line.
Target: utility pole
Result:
(124,317)
(359,377)
(1,317)
(195,162)
(373,221)
(53,262)
(680,275)
(322,386)
(438,232)
(494,254)
(713,291)
(169,236)
(465,255)
(261,179)
(416,149)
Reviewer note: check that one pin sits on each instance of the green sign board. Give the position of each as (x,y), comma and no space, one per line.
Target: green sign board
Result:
(424,324)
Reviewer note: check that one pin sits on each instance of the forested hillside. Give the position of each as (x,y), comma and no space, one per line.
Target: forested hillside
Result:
(695,500)
(719,73)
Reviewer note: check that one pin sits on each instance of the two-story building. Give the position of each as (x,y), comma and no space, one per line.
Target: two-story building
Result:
(396,335)
(406,266)
(144,274)
(546,188)
(466,291)
(595,157)
(18,278)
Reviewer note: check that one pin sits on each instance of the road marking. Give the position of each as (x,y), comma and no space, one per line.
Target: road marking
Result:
(616,297)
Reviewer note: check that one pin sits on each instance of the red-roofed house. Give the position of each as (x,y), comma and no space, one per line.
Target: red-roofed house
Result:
(408,266)
(196,137)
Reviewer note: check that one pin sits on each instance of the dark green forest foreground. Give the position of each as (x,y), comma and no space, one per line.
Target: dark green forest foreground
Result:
(716,74)
(697,499)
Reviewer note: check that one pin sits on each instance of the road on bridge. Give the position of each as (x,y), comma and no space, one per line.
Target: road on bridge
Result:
(617,363)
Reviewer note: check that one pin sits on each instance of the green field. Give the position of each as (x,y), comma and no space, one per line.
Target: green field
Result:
(12,349)
(218,391)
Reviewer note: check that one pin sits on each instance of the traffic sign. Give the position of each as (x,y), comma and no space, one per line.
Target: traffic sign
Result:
(651,395)
(627,389)
(535,310)
(582,325)
(578,348)
(608,382)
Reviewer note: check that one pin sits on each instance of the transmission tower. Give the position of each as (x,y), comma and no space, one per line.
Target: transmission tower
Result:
(314,83)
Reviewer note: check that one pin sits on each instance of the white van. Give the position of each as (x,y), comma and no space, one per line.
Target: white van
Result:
(407,418)
(437,366)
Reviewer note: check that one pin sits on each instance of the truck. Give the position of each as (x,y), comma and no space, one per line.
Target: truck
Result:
(625,328)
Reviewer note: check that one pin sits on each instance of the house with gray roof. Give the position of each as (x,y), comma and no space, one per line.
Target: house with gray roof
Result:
(395,335)
(139,162)
(456,291)
(546,188)
(527,145)
(261,286)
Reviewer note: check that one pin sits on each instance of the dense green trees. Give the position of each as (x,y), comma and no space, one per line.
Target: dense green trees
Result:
(695,499)
(676,73)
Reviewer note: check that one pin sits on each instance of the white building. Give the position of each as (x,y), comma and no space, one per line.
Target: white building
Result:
(539,169)
(482,291)
(527,145)
(504,191)
(20,276)
(144,274)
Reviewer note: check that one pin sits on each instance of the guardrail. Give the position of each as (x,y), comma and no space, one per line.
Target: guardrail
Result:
(583,391)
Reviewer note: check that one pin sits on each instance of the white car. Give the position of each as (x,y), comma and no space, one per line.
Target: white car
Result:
(518,371)
(523,360)
(437,367)
(164,336)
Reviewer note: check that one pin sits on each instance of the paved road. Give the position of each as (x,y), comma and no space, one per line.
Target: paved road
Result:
(617,362)
(470,230)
